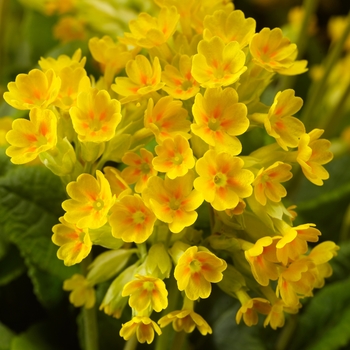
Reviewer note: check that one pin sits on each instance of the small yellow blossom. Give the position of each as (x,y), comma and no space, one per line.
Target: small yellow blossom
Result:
(83,293)
(217,64)
(148,31)
(75,243)
(222,181)
(145,292)
(173,201)
(276,317)
(167,118)
(142,79)
(280,124)
(144,328)
(58,6)
(35,89)
(196,270)
(312,154)
(5,126)
(219,118)
(29,138)
(131,220)
(119,186)
(229,26)
(174,157)
(70,28)
(139,169)
(274,52)
(95,116)
(185,320)
(267,184)
(91,200)
(179,81)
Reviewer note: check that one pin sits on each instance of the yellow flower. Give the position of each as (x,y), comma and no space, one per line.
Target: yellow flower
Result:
(274,52)
(196,270)
(276,318)
(185,320)
(145,292)
(174,157)
(29,138)
(75,243)
(144,328)
(35,89)
(139,169)
(312,154)
(229,26)
(70,28)
(217,64)
(179,81)
(142,79)
(219,118)
(173,201)
(167,118)
(5,126)
(119,186)
(280,124)
(91,200)
(96,116)
(222,181)
(267,184)
(131,220)
(148,31)
(83,293)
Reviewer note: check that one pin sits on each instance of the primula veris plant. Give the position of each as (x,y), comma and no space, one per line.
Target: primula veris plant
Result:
(160,172)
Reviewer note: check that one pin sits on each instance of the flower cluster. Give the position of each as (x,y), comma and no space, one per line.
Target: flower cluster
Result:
(160,140)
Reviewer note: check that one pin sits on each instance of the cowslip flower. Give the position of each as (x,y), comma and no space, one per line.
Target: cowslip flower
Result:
(82,292)
(5,127)
(173,201)
(29,138)
(96,116)
(91,200)
(274,52)
(174,157)
(217,64)
(229,26)
(167,118)
(294,241)
(185,320)
(179,82)
(219,118)
(222,181)
(196,270)
(139,168)
(75,243)
(142,79)
(131,220)
(262,260)
(70,28)
(313,152)
(275,317)
(279,122)
(148,31)
(119,186)
(35,89)
(144,328)
(145,292)
(267,184)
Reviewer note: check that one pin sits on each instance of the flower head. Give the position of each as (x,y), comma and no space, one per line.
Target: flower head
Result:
(217,64)
(144,328)
(35,89)
(196,270)
(75,243)
(131,220)
(29,138)
(91,200)
(145,292)
(82,292)
(222,181)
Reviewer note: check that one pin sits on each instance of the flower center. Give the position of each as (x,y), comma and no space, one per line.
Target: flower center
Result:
(186,85)
(138,217)
(195,266)
(174,204)
(178,159)
(149,286)
(213,124)
(145,168)
(98,204)
(220,180)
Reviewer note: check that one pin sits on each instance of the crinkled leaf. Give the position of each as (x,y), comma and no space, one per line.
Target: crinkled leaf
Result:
(11,266)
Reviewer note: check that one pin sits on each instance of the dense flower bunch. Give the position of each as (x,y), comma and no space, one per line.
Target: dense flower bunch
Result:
(157,142)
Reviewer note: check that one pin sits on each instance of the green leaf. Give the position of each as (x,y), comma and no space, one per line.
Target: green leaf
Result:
(11,266)
(326,317)
(30,204)
(6,336)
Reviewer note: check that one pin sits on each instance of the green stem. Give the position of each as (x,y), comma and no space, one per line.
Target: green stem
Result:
(89,317)
(131,344)
(287,333)
(319,87)
(179,340)
(310,7)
